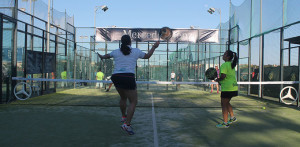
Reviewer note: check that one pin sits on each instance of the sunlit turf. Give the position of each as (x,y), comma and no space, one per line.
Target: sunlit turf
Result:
(162,98)
(186,117)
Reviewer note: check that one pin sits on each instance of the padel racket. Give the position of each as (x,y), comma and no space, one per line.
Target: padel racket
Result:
(165,33)
(211,73)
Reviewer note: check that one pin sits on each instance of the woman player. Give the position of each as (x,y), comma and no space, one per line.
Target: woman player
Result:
(229,87)
(124,77)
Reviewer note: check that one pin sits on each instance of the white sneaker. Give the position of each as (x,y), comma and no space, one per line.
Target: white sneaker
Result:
(128,129)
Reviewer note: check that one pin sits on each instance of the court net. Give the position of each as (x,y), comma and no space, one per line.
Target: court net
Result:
(165,94)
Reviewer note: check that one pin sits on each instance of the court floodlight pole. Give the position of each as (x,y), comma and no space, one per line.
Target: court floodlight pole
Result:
(14,49)
(198,64)
(212,11)
(229,26)
(167,62)
(95,10)
(249,51)
(260,53)
(148,68)
(136,65)
(104,8)
(105,63)
(32,24)
(45,75)
(95,29)
(220,32)
(176,61)
(282,44)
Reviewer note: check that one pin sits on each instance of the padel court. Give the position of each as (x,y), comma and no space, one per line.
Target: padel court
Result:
(163,118)
(58,102)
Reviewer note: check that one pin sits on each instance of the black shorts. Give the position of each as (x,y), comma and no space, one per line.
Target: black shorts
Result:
(229,94)
(124,80)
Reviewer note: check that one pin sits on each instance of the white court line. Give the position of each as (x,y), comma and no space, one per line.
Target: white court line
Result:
(154,124)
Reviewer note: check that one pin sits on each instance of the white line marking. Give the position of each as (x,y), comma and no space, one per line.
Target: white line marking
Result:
(154,125)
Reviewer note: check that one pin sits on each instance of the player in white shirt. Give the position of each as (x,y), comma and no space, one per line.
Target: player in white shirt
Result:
(173,75)
(123,77)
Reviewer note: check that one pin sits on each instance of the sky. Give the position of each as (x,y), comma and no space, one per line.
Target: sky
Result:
(146,13)
(143,14)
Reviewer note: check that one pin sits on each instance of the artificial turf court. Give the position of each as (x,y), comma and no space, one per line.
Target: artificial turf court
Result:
(88,117)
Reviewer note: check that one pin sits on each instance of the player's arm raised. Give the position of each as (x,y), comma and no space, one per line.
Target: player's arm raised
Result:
(149,54)
(106,56)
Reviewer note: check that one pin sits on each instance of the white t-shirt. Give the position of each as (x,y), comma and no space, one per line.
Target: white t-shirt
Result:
(172,75)
(126,64)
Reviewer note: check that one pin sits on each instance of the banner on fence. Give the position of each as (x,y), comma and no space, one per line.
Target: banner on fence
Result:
(152,34)
(34,62)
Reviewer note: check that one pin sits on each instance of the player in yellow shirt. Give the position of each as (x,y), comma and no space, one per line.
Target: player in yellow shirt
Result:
(99,76)
(229,87)
(64,76)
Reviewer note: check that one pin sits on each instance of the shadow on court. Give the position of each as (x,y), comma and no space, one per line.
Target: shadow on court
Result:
(88,117)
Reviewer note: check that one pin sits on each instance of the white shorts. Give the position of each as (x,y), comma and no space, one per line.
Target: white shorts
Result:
(99,85)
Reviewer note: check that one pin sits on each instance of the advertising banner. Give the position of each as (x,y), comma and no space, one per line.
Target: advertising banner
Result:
(152,34)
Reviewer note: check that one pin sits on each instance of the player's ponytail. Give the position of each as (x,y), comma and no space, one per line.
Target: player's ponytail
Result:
(233,56)
(235,60)
(125,49)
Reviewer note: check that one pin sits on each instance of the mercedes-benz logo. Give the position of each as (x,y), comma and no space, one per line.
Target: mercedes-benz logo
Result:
(22,91)
(287,96)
